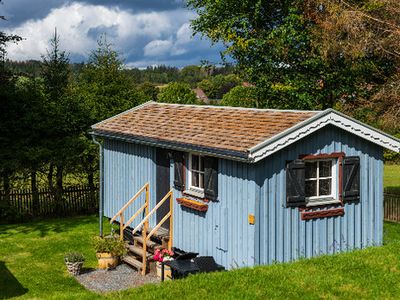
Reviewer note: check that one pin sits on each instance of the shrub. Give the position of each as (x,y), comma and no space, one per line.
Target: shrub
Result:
(109,245)
(73,257)
(241,96)
(176,92)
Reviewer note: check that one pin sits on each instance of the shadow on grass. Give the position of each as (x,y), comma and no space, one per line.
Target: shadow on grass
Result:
(87,270)
(393,189)
(47,226)
(9,285)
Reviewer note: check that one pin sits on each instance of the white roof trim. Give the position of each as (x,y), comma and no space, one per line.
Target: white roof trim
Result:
(307,127)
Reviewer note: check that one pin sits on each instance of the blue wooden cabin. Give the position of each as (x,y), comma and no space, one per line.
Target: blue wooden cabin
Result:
(249,186)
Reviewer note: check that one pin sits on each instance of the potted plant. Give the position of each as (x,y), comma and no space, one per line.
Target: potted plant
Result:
(74,262)
(108,251)
(161,256)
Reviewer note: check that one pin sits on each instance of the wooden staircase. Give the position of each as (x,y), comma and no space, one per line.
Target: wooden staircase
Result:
(134,256)
(145,239)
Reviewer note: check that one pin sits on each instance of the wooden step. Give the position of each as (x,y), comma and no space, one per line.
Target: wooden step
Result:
(132,261)
(149,243)
(137,250)
(161,233)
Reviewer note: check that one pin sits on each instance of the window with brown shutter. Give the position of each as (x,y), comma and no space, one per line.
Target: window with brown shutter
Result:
(322,179)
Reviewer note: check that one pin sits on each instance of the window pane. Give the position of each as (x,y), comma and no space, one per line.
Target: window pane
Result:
(195,179)
(325,168)
(325,187)
(201,163)
(201,179)
(311,188)
(195,162)
(311,169)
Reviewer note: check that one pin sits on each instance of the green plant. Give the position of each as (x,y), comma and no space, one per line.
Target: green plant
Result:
(73,257)
(109,245)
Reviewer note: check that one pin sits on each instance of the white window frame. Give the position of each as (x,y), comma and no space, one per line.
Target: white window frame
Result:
(201,162)
(325,199)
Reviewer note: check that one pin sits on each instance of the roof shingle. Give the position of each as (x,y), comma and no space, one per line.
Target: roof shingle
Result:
(212,127)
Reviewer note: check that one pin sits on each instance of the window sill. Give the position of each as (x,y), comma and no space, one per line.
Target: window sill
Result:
(194,193)
(322,202)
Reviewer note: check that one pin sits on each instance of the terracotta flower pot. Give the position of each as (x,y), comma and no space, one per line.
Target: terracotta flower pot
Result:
(107,260)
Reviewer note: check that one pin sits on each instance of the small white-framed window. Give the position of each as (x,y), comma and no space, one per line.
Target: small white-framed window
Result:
(196,172)
(321,181)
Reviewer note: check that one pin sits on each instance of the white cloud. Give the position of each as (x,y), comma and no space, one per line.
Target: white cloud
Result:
(158,48)
(150,34)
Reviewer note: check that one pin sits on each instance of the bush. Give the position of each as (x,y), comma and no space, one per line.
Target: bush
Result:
(73,257)
(241,96)
(180,93)
(217,86)
(109,245)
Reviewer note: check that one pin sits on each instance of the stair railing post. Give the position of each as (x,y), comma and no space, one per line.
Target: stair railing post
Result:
(121,226)
(144,233)
(171,220)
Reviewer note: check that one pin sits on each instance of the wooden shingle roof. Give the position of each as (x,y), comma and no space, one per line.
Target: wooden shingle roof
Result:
(237,133)
(212,127)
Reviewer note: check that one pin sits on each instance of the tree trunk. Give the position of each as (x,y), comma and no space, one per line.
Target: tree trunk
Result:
(90,178)
(5,201)
(50,177)
(35,194)
(59,189)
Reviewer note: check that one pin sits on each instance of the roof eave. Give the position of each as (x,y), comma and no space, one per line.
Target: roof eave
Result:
(221,153)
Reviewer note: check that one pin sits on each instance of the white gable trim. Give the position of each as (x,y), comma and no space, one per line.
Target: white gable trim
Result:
(307,127)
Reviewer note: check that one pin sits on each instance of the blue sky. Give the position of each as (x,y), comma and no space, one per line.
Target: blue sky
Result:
(145,33)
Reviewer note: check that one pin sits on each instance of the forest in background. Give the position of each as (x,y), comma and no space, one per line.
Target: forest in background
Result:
(286,55)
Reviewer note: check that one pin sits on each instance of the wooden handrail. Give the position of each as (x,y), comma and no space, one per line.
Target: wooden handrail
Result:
(119,213)
(169,194)
(145,222)
(135,215)
(158,225)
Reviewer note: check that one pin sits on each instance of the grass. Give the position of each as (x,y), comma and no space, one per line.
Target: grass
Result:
(391,177)
(31,266)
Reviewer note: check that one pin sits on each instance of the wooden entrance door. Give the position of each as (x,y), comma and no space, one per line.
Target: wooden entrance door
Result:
(162,184)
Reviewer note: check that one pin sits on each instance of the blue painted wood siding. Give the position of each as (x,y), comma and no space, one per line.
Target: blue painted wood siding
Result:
(281,234)
(223,231)
(127,167)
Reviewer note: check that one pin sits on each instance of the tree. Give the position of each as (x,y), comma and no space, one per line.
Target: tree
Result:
(107,89)
(216,86)
(149,89)
(104,89)
(241,96)
(62,116)
(7,161)
(364,31)
(180,93)
(277,45)
(192,74)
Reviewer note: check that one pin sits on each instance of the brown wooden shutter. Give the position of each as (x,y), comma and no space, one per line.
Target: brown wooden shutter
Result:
(351,179)
(295,183)
(179,180)
(210,178)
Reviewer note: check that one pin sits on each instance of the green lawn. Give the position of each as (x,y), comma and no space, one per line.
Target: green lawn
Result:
(31,266)
(392,177)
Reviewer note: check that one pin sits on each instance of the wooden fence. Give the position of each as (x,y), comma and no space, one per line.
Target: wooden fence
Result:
(391,206)
(79,200)
(74,200)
